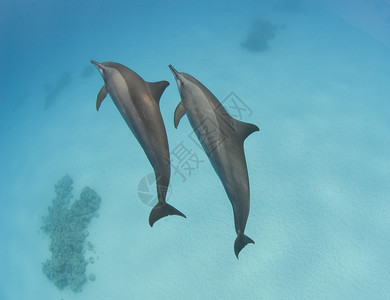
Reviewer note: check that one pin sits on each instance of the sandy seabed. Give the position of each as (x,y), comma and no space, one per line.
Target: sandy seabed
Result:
(318,168)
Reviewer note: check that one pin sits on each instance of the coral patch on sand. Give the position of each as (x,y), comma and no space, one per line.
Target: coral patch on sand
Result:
(66,224)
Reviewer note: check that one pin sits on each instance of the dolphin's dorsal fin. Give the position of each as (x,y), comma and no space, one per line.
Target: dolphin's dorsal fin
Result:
(156,89)
(179,113)
(100,97)
(243,129)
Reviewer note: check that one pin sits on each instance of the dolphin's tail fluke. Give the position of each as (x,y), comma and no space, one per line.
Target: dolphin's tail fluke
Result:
(241,241)
(162,210)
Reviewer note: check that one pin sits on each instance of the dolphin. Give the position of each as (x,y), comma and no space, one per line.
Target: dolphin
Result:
(222,138)
(138,103)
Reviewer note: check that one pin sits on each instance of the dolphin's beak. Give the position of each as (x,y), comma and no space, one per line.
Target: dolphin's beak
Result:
(97,65)
(175,73)
(100,67)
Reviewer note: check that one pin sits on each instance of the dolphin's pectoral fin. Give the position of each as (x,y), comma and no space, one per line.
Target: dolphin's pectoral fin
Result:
(162,210)
(241,241)
(179,113)
(245,129)
(102,94)
(157,89)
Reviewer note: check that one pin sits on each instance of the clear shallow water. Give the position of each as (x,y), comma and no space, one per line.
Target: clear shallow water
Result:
(318,168)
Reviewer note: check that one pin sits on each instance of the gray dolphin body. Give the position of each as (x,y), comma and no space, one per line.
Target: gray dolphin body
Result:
(222,138)
(138,103)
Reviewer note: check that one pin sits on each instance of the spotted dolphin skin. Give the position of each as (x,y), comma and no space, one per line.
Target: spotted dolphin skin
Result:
(222,138)
(138,103)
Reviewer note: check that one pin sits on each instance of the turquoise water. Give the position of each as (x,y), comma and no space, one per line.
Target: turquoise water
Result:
(319,168)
